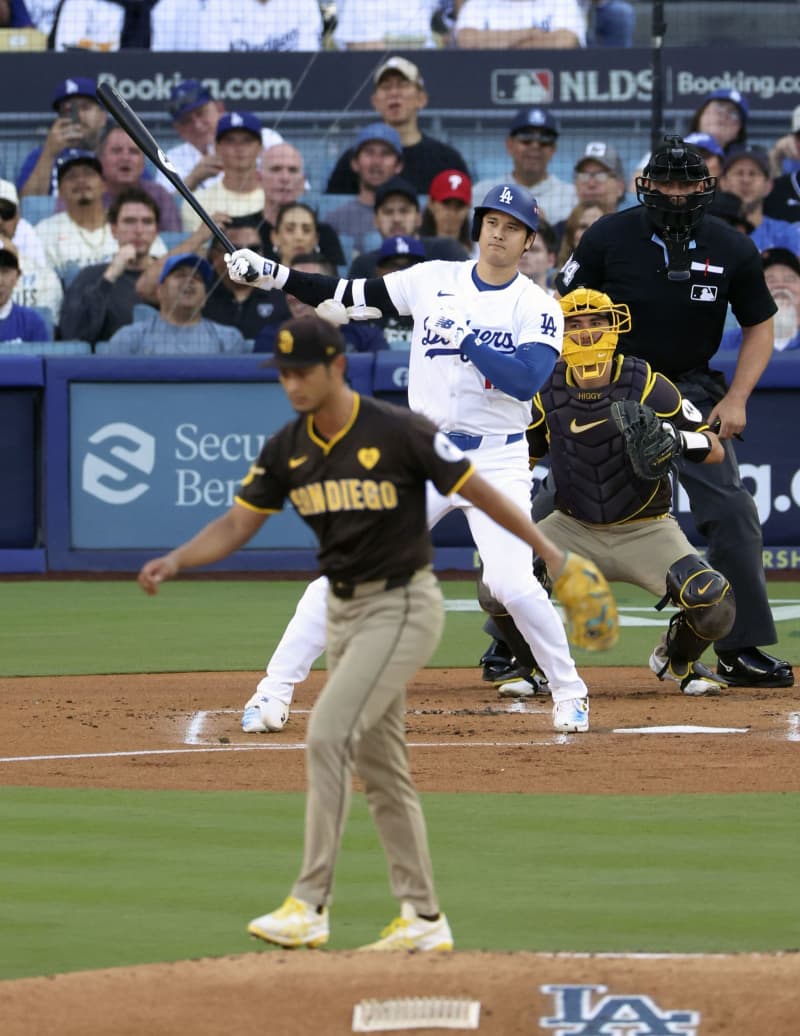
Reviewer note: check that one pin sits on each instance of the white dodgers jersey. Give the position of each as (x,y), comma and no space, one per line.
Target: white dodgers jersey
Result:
(447,388)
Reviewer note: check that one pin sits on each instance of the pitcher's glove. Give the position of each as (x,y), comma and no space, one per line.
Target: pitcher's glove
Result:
(651,443)
(590,611)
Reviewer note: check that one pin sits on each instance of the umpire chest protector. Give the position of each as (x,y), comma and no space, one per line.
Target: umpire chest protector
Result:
(594,481)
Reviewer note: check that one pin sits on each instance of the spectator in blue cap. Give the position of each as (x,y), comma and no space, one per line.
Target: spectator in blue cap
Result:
(531,142)
(711,150)
(377,156)
(239,192)
(195,115)
(79,123)
(17,323)
(80,235)
(179,326)
(746,173)
(723,115)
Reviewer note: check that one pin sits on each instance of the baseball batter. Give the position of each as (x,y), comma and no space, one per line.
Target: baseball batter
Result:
(356,470)
(484,341)
(611,506)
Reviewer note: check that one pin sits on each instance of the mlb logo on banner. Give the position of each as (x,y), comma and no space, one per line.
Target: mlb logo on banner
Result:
(522,86)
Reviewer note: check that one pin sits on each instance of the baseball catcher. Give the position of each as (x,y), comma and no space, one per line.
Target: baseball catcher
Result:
(613,427)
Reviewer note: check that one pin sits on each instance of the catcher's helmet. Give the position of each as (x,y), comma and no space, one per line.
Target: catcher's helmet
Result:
(591,360)
(675,161)
(512,199)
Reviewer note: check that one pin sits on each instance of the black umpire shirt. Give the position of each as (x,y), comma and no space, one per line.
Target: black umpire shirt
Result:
(675,325)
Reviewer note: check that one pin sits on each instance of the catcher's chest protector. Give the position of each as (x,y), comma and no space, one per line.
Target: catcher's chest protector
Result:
(594,481)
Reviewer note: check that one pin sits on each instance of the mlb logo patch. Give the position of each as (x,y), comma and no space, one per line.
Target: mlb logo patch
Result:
(523,86)
(704,293)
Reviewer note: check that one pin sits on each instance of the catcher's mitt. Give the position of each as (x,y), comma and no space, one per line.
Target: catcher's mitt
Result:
(650,442)
(590,611)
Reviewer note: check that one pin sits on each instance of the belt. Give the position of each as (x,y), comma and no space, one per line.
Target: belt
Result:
(346,591)
(464,441)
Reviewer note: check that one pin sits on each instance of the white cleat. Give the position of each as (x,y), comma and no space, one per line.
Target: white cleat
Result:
(264,714)
(292,925)
(571,716)
(697,682)
(411,932)
(525,686)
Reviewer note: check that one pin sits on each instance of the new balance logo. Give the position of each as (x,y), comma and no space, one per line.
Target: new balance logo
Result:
(576,1015)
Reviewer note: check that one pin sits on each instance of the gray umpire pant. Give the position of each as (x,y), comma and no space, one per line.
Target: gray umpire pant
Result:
(377,640)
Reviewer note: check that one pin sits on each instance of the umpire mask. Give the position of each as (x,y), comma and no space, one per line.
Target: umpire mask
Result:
(588,350)
(676,215)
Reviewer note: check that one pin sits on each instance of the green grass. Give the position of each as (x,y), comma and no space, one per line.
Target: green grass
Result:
(77,627)
(102,878)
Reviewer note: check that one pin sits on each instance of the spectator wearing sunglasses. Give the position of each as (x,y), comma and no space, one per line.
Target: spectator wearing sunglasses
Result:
(531,143)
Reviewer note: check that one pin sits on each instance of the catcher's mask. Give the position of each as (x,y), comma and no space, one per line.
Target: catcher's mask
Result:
(588,351)
(675,161)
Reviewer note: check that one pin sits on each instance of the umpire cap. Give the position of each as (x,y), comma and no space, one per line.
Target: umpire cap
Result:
(512,199)
(305,342)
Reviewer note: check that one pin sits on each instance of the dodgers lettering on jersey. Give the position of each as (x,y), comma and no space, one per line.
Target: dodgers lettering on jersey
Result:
(450,390)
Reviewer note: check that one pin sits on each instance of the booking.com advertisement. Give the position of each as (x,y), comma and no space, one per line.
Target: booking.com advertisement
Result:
(150,464)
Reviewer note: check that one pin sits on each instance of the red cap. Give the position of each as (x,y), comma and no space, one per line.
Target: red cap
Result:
(451,183)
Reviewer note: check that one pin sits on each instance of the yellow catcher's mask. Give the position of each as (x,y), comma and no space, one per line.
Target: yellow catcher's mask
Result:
(588,350)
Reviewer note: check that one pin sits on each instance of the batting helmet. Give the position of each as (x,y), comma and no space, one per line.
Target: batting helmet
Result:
(512,199)
(675,161)
(588,351)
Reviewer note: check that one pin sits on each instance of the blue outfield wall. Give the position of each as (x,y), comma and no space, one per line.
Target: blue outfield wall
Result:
(108,461)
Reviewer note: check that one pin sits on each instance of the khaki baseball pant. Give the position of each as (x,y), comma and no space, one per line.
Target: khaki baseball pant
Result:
(377,641)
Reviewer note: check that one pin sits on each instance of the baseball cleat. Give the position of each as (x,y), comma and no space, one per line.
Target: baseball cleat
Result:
(292,925)
(264,714)
(411,932)
(696,682)
(752,667)
(524,687)
(571,716)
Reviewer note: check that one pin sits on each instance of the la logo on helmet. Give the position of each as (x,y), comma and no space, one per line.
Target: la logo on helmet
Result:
(506,197)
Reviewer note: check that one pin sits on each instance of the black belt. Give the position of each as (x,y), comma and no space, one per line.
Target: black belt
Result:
(346,591)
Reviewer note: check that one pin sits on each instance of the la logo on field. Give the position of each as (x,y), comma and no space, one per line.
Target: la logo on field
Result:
(633,1015)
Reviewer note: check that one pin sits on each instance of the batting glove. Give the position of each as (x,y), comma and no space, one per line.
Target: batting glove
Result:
(337,313)
(450,325)
(248,267)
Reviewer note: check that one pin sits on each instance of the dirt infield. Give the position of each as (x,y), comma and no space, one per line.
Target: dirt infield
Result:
(182,732)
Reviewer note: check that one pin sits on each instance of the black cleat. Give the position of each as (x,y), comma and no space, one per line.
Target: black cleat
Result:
(499,665)
(752,667)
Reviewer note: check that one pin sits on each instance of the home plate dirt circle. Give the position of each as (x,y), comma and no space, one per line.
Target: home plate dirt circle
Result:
(181,731)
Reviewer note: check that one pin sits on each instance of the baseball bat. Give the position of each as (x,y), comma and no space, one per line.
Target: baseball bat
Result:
(138,132)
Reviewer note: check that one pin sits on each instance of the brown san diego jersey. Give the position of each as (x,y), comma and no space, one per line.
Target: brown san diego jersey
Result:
(363,491)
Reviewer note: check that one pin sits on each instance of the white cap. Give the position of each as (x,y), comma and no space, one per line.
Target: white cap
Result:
(796,120)
(8,192)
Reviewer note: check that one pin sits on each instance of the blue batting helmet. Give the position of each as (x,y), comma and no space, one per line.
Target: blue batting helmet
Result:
(512,199)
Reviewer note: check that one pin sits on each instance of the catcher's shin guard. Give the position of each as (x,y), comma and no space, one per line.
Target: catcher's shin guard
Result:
(707,610)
